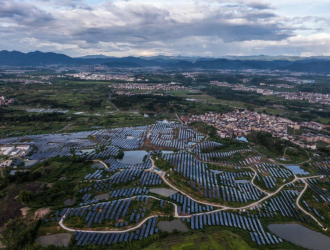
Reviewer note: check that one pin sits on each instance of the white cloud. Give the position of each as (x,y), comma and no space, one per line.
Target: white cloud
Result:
(208,27)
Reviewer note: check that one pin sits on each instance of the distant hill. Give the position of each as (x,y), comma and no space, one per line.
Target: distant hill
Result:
(308,66)
(16,58)
(37,58)
(122,65)
(94,57)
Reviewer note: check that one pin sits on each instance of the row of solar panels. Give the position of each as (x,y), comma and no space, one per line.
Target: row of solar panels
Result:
(150,179)
(209,156)
(107,152)
(189,206)
(90,238)
(126,192)
(233,220)
(205,145)
(273,170)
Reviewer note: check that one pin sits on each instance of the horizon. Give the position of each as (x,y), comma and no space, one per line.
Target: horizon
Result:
(160,55)
(207,28)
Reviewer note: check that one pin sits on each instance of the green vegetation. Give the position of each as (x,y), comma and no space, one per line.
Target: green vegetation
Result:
(277,148)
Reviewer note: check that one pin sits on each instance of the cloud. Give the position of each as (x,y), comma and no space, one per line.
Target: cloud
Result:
(139,27)
(23,13)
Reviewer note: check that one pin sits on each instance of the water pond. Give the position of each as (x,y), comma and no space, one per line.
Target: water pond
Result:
(163,191)
(133,157)
(69,202)
(98,165)
(61,240)
(301,236)
(242,139)
(104,196)
(169,226)
(297,170)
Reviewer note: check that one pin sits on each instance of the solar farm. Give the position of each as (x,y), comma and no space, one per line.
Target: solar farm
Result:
(113,204)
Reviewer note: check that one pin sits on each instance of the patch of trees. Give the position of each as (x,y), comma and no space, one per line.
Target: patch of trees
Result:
(48,117)
(233,95)
(149,102)
(53,196)
(25,196)
(161,163)
(47,102)
(202,127)
(276,145)
(266,140)
(93,103)
(21,177)
(18,235)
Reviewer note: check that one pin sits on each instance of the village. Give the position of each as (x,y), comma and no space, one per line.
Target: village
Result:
(160,86)
(319,98)
(242,123)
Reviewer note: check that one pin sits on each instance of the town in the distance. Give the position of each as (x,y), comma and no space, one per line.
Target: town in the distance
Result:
(163,152)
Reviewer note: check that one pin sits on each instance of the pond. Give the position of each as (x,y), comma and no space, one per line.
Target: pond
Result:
(297,170)
(301,236)
(86,151)
(169,226)
(69,202)
(242,138)
(104,196)
(133,157)
(163,191)
(61,240)
(98,165)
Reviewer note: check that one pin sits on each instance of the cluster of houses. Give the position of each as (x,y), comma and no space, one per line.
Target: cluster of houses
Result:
(5,102)
(241,87)
(323,99)
(311,137)
(24,81)
(102,77)
(242,123)
(141,86)
(319,98)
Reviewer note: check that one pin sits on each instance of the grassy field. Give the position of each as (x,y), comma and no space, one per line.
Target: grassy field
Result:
(223,240)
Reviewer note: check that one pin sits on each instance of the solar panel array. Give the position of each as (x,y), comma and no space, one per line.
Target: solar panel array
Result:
(84,238)
(206,145)
(115,165)
(274,173)
(150,179)
(189,206)
(127,138)
(324,166)
(172,136)
(210,156)
(227,219)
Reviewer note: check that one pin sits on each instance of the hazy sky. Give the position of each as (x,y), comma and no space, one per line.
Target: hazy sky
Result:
(192,28)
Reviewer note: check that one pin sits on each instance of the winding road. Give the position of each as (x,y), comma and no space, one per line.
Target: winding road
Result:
(220,207)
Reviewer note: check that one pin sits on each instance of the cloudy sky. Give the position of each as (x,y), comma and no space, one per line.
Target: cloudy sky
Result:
(173,27)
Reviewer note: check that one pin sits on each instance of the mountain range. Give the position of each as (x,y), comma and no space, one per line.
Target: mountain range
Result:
(37,58)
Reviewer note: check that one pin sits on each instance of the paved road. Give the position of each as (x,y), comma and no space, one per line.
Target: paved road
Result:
(119,231)
(64,128)
(298,205)
(109,101)
(178,118)
(221,207)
